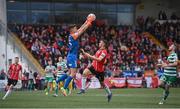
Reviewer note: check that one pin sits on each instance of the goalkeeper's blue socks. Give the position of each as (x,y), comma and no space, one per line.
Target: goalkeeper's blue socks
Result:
(67,82)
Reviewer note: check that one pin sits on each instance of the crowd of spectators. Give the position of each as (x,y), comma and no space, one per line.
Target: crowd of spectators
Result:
(165,29)
(2,74)
(44,42)
(145,23)
(32,80)
(167,33)
(128,48)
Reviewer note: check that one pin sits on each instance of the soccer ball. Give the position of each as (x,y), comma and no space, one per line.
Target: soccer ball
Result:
(91,17)
(124,48)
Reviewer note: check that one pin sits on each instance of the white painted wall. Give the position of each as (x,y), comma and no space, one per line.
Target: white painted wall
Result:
(3,11)
(3,25)
(152,7)
(2,53)
(8,50)
(12,51)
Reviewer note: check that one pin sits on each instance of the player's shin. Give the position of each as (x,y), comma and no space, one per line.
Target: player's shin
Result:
(83,82)
(56,89)
(108,91)
(8,92)
(48,88)
(166,92)
(88,84)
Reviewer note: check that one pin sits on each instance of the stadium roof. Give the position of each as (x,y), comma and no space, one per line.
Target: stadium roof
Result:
(84,1)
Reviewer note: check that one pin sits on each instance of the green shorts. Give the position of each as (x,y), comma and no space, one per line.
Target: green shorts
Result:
(49,79)
(168,79)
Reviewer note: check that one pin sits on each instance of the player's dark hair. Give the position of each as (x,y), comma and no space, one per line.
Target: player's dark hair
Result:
(105,43)
(61,56)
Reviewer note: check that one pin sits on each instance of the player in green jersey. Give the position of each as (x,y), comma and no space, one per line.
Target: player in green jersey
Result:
(49,70)
(170,72)
(61,70)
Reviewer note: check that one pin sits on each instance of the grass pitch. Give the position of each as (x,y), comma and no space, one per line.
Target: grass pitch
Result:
(94,98)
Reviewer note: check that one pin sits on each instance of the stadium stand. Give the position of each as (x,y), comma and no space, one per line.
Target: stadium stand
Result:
(50,41)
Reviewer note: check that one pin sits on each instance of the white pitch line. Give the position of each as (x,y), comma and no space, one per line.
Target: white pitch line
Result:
(116,95)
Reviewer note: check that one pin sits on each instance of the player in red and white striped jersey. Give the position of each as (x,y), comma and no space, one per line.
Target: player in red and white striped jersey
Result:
(97,68)
(14,74)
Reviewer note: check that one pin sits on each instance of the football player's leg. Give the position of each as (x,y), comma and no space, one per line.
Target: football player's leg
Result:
(72,72)
(48,88)
(86,72)
(162,85)
(70,77)
(106,87)
(170,81)
(166,92)
(57,86)
(11,83)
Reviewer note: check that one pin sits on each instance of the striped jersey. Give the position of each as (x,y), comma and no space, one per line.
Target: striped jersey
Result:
(62,67)
(50,70)
(99,65)
(171,71)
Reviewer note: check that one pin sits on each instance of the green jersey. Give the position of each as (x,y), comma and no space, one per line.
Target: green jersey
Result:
(50,70)
(171,71)
(62,67)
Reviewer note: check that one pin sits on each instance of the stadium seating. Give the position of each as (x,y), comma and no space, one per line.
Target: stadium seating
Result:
(167,31)
(50,41)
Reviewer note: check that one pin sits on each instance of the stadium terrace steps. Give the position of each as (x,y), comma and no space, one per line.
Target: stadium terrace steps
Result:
(27,53)
(156,41)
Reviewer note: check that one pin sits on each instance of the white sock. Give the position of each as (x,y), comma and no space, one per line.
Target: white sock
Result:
(7,93)
(88,84)
(107,89)
(83,81)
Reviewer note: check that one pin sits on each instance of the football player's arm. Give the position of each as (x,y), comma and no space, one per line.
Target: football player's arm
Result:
(55,71)
(171,64)
(175,63)
(81,29)
(100,58)
(84,27)
(20,74)
(46,70)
